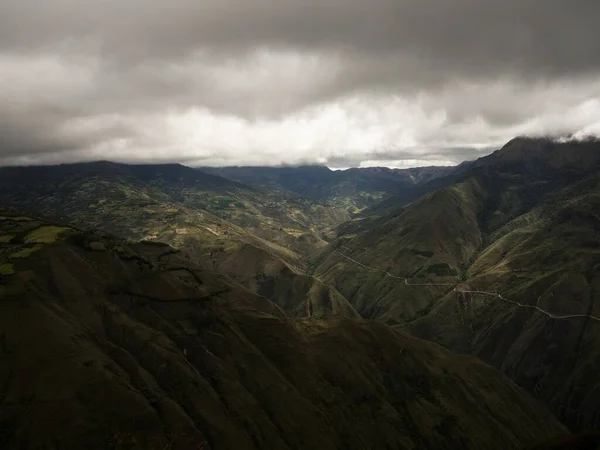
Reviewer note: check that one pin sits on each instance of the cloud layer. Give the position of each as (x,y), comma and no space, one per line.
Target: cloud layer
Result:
(338,82)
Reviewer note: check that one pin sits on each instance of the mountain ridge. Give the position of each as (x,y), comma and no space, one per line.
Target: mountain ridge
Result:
(259,238)
(527,229)
(353,188)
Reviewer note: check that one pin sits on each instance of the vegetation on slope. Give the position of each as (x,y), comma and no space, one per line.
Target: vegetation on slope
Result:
(548,258)
(522,222)
(107,344)
(352,189)
(430,240)
(160,199)
(253,236)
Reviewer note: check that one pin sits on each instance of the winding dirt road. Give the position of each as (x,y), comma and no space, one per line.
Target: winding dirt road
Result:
(464,291)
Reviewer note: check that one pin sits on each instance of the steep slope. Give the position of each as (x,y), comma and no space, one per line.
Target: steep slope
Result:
(431,240)
(280,279)
(112,345)
(392,206)
(352,188)
(523,223)
(549,258)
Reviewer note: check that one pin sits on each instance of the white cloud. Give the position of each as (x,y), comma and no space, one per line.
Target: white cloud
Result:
(266,107)
(405,163)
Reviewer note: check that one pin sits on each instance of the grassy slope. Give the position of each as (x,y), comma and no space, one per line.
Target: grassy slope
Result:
(523,222)
(254,236)
(84,191)
(431,239)
(110,345)
(548,260)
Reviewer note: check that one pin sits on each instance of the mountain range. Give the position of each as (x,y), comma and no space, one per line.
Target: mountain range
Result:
(354,188)
(522,222)
(301,307)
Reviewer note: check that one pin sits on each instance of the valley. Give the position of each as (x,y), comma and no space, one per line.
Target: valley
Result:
(497,259)
(352,189)
(135,345)
(518,235)
(299,225)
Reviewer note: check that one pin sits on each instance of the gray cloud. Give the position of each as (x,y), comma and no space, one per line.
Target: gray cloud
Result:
(257,81)
(542,37)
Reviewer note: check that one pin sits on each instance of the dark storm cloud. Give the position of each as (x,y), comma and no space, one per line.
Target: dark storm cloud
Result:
(122,75)
(537,37)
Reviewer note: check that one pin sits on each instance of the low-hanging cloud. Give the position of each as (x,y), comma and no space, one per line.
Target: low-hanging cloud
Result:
(337,82)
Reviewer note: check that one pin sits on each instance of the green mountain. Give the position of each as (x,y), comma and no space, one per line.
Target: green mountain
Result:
(93,192)
(353,189)
(258,237)
(523,223)
(110,344)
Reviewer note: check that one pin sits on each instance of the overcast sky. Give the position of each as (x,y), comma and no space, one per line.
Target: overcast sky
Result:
(339,82)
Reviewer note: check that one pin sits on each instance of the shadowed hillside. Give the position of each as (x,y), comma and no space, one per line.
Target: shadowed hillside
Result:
(107,344)
(583,441)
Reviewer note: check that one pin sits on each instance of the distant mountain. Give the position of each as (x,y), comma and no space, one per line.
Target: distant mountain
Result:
(523,222)
(258,237)
(109,344)
(352,188)
(397,201)
(99,187)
